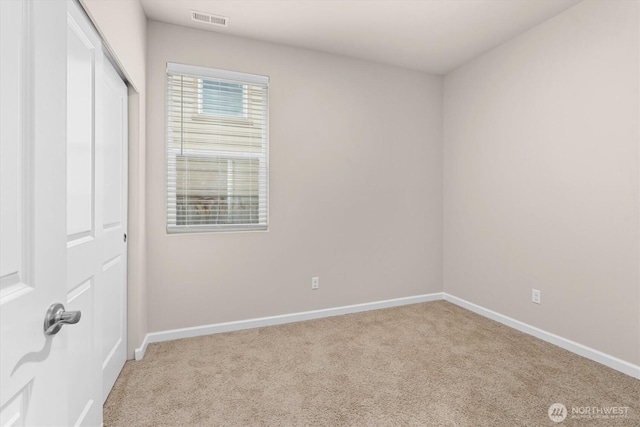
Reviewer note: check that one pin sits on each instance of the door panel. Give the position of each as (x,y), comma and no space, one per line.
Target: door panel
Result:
(113,285)
(13,227)
(33,367)
(80,142)
(112,339)
(84,409)
(84,213)
(113,147)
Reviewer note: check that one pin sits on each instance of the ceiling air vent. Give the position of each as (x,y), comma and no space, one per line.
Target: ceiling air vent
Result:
(207,18)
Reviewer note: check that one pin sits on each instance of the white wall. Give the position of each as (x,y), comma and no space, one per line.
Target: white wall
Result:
(123,25)
(541,177)
(355,187)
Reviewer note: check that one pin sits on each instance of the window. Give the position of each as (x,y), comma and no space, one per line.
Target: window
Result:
(222,99)
(217,150)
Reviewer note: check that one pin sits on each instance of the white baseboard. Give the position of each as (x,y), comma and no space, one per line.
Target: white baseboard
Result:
(574,347)
(139,352)
(277,320)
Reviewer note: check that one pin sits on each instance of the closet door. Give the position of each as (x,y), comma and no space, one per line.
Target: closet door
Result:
(112,292)
(96,214)
(85,235)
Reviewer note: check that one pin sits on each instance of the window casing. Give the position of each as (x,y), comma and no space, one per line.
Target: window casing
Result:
(217,150)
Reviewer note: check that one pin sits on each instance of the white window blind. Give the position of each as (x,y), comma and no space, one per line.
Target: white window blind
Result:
(217,150)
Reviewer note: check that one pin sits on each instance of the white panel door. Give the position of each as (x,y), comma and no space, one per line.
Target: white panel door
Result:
(84,213)
(33,366)
(112,288)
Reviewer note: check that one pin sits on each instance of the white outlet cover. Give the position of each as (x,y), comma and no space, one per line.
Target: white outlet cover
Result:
(536,296)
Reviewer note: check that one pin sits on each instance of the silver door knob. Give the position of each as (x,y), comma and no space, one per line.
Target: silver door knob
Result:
(56,317)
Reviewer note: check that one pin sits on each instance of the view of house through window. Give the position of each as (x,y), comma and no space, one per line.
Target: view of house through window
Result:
(221,192)
(223,99)
(217,150)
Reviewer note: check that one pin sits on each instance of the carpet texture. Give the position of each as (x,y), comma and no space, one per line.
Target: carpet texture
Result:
(431,364)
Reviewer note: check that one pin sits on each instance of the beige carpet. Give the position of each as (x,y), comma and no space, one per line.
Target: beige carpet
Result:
(431,364)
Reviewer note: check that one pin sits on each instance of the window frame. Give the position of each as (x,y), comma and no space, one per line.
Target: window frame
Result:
(262,156)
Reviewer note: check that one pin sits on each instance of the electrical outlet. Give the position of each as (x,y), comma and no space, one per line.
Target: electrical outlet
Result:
(315,283)
(535,296)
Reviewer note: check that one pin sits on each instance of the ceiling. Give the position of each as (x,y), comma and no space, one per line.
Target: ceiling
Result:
(434,36)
